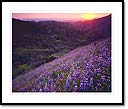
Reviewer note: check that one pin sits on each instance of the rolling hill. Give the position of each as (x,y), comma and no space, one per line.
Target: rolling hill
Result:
(37,43)
(84,69)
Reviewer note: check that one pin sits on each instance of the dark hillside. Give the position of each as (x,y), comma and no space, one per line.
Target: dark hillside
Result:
(36,43)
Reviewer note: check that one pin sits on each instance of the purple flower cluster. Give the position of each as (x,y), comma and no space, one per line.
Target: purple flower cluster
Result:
(85,69)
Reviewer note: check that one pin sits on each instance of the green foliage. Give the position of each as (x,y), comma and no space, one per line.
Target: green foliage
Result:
(54,75)
(55,55)
(24,50)
(59,53)
(24,66)
(96,76)
(45,49)
(20,69)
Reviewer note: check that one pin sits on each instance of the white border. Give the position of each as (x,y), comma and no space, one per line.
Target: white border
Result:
(62,7)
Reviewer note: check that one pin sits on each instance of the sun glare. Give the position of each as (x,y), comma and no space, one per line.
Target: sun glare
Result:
(89,16)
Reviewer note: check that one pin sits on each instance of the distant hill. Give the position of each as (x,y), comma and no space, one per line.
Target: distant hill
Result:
(30,33)
(85,69)
(97,29)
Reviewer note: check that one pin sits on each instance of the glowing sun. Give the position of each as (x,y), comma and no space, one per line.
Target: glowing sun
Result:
(89,16)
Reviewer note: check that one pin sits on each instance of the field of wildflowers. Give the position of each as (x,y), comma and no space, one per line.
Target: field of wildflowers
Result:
(85,69)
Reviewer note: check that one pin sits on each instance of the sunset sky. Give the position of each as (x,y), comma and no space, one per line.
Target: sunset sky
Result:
(58,16)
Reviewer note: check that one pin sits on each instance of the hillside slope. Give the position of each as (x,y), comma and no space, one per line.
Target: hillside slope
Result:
(36,43)
(84,69)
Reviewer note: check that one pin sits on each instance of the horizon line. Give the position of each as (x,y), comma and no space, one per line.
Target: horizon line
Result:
(55,19)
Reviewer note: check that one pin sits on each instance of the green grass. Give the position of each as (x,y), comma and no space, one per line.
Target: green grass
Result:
(20,69)
(45,49)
